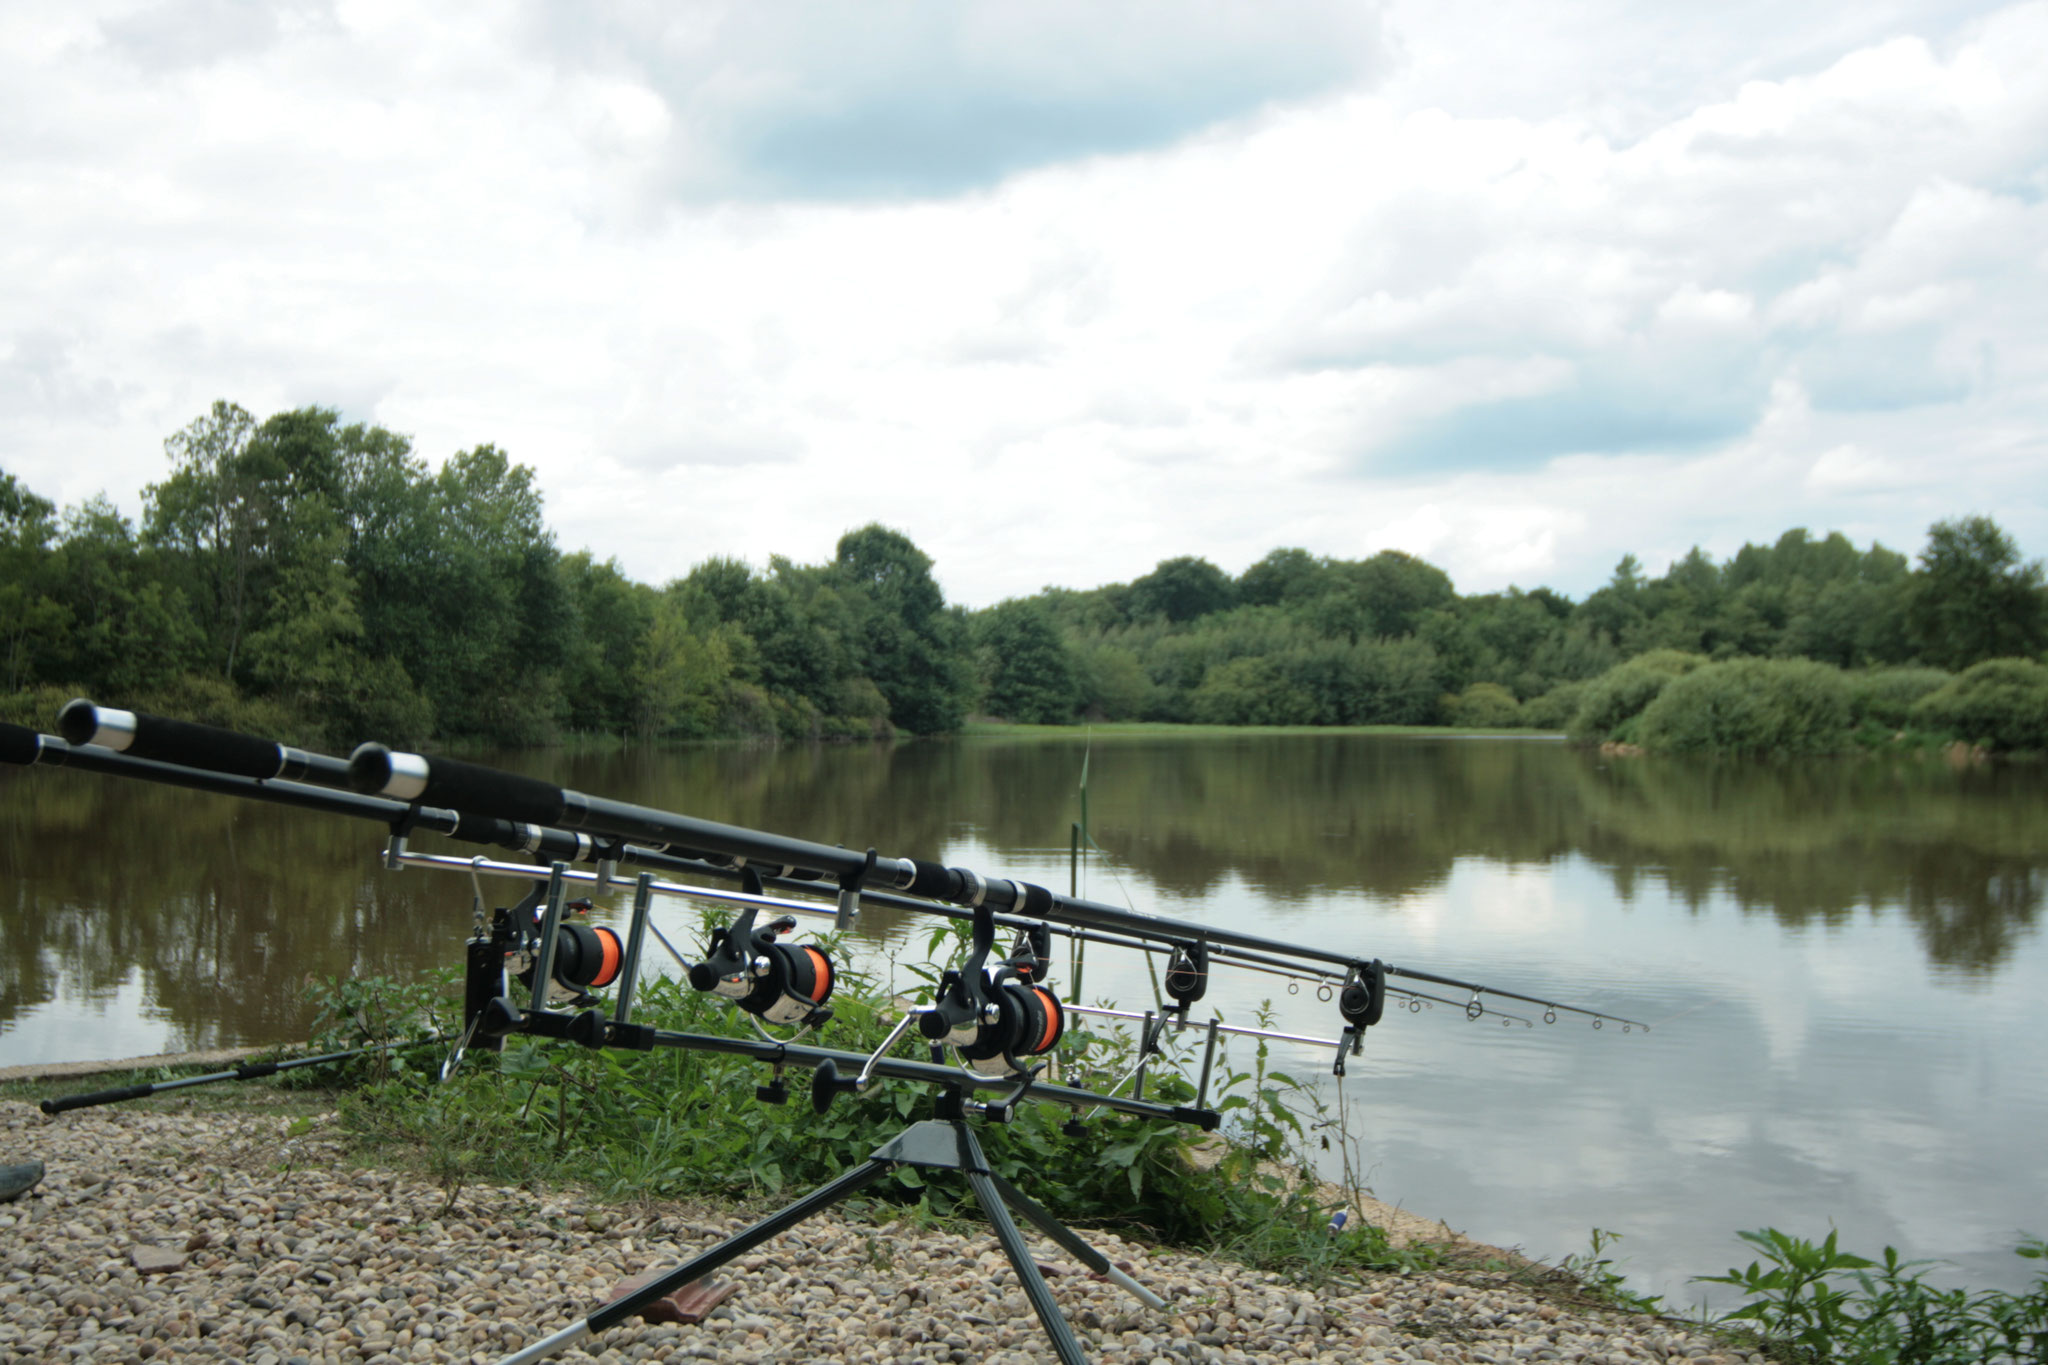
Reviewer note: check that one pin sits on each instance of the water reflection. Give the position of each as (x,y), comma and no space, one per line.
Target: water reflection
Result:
(224,908)
(1843,959)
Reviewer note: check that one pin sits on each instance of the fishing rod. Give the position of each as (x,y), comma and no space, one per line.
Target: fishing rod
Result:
(247,1071)
(533,807)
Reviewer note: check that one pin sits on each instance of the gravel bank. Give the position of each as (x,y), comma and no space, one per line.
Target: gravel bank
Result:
(160,1237)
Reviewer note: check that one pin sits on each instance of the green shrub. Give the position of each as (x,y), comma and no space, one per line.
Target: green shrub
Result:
(1485,704)
(1620,694)
(1884,696)
(1751,706)
(1820,1303)
(36,707)
(1554,709)
(214,701)
(2002,703)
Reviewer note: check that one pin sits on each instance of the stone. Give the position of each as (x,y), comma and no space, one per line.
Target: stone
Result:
(18,1179)
(149,1259)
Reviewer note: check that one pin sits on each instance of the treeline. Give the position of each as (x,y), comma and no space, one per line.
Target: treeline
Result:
(308,578)
(302,576)
(1301,640)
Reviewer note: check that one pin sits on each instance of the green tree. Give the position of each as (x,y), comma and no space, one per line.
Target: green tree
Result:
(679,675)
(2002,703)
(913,649)
(1181,590)
(614,616)
(131,629)
(215,511)
(1283,576)
(309,653)
(1026,671)
(1616,610)
(33,625)
(1972,598)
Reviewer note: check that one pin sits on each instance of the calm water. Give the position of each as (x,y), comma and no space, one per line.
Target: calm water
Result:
(1843,963)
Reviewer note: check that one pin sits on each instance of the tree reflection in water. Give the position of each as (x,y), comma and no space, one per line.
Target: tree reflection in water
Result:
(225,907)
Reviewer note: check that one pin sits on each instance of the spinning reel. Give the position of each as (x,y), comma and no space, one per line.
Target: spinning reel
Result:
(585,958)
(779,983)
(995,1016)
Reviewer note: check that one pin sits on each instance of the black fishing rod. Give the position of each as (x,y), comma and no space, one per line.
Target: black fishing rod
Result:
(553,822)
(247,1071)
(28,748)
(158,749)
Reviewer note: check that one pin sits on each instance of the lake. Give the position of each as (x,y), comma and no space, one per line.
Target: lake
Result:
(1841,961)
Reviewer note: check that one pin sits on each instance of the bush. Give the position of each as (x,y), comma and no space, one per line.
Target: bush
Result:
(1751,706)
(1884,696)
(1619,695)
(1554,709)
(1485,704)
(1820,1303)
(2000,703)
(36,708)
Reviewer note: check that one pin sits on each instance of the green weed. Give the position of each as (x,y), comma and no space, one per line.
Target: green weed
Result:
(1821,1304)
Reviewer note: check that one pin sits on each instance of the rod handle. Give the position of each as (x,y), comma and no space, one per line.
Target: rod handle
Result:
(19,744)
(472,788)
(97,1097)
(186,743)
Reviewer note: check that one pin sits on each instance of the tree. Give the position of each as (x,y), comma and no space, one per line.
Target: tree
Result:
(131,630)
(911,646)
(215,510)
(679,675)
(1972,598)
(1282,576)
(1027,673)
(33,625)
(1181,590)
(1616,610)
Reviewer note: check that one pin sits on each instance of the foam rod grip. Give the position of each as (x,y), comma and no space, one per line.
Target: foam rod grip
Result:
(185,743)
(19,744)
(469,788)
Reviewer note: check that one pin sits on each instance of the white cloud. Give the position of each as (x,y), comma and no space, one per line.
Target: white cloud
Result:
(1541,296)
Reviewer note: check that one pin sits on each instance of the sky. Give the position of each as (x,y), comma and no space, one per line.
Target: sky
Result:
(1060,288)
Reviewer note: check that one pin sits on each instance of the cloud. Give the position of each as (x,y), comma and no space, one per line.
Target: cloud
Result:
(1546,290)
(914,98)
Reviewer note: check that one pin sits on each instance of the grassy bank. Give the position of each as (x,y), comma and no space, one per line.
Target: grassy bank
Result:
(531,1122)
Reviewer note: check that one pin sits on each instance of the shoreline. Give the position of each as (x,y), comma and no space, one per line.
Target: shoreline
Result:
(168,1234)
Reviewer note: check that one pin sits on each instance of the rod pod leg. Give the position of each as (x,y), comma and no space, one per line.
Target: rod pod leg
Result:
(739,1244)
(1062,1234)
(948,1145)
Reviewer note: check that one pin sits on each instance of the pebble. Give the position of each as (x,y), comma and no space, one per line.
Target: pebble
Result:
(290,1257)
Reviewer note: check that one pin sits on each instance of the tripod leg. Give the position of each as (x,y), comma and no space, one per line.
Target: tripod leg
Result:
(1063,1339)
(1068,1239)
(734,1246)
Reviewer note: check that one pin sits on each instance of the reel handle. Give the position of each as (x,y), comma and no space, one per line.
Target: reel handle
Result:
(828,1085)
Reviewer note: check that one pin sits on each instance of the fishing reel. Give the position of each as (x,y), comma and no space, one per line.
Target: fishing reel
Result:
(778,983)
(586,958)
(995,1017)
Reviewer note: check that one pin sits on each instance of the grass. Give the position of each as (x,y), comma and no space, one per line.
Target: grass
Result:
(1805,1303)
